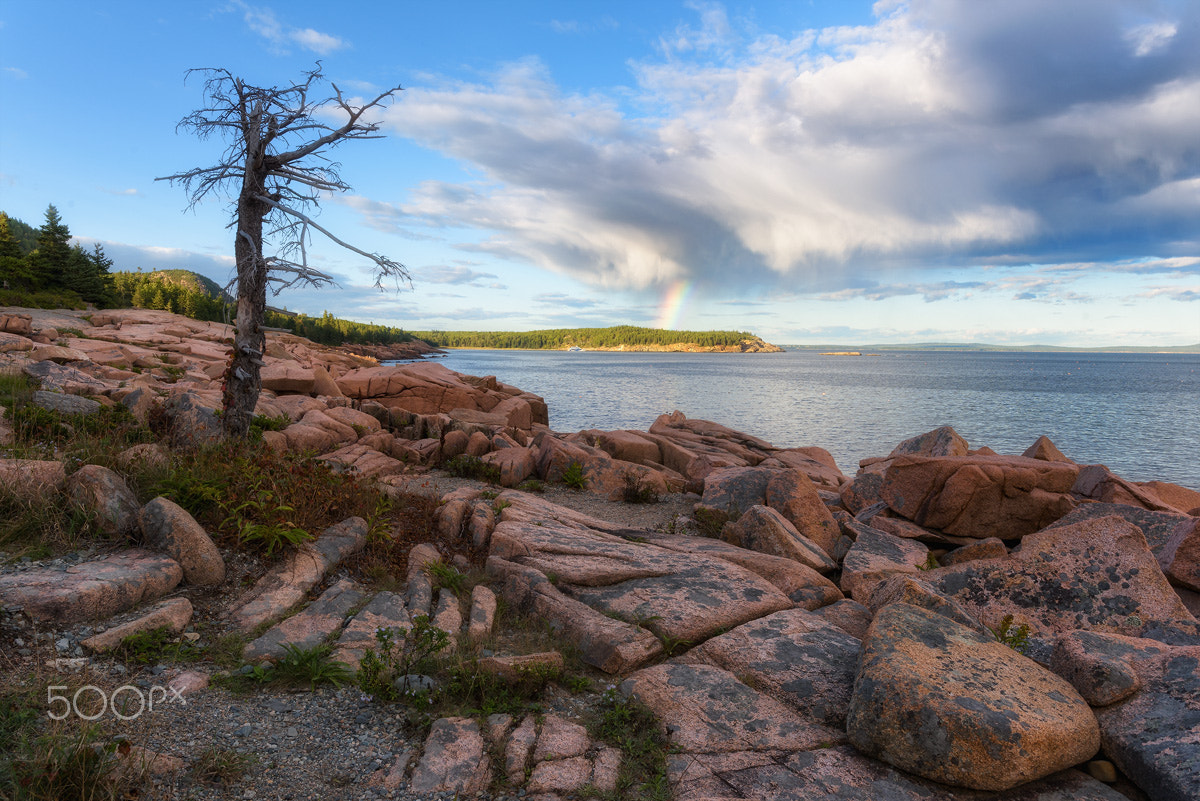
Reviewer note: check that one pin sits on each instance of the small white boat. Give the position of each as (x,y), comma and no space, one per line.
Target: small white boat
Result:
(574,349)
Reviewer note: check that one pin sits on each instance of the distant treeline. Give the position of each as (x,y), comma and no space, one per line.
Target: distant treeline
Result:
(559,338)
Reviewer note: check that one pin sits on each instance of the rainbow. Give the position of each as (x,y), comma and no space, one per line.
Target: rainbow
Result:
(672,306)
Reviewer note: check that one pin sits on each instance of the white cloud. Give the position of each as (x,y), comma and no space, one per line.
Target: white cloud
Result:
(942,134)
(1147,39)
(263,22)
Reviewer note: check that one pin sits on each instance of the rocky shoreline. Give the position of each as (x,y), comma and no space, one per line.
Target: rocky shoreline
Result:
(945,623)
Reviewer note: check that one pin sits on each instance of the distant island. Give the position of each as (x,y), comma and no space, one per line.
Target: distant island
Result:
(616,338)
(842,350)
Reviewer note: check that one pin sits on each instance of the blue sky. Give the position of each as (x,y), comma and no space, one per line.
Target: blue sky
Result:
(823,172)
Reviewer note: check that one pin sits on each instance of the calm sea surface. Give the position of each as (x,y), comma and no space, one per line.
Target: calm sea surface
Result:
(1138,414)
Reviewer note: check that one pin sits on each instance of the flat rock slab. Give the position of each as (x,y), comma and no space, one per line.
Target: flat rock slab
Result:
(686,597)
(1096,575)
(795,656)
(288,583)
(1151,726)
(455,759)
(611,645)
(309,627)
(92,590)
(947,703)
(842,774)
(705,709)
(804,586)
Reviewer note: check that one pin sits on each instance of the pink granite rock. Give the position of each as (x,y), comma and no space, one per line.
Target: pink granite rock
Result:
(310,627)
(173,615)
(704,709)
(105,498)
(288,583)
(167,527)
(455,759)
(385,611)
(91,590)
(1095,575)
(945,702)
(764,529)
(980,496)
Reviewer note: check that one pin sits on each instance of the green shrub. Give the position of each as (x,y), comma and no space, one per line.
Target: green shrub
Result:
(631,726)
(155,646)
(1015,637)
(573,476)
(401,652)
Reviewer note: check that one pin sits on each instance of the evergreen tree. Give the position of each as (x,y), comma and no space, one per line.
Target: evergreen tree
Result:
(14,268)
(51,261)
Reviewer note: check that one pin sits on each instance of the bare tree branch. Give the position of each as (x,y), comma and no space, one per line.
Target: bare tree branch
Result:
(274,168)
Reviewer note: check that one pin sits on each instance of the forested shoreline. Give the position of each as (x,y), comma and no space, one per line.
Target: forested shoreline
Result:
(598,338)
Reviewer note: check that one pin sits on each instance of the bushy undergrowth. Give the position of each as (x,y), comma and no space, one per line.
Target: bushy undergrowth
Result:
(466,466)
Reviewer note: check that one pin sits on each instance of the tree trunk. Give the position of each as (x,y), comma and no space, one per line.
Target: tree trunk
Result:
(243,379)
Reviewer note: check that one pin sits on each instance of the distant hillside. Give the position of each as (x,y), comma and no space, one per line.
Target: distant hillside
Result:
(985,348)
(621,337)
(191,280)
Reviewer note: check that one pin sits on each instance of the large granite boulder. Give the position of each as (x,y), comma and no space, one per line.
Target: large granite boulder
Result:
(980,496)
(1174,538)
(947,703)
(105,498)
(944,441)
(766,530)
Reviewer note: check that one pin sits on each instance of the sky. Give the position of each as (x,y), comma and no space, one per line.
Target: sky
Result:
(839,172)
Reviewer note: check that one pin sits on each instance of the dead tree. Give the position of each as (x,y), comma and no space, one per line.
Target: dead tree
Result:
(276,162)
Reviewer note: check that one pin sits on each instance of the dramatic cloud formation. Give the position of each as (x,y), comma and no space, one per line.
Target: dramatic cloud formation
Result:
(948,132)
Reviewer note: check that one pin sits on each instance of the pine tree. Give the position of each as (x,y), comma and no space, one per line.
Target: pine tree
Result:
(50,262)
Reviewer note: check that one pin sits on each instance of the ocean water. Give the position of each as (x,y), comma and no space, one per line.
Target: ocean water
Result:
(1139,414)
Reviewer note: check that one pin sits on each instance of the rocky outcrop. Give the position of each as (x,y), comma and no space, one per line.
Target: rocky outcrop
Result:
(1148,695)
(1095,575)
